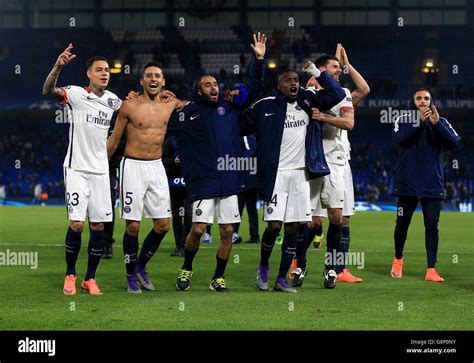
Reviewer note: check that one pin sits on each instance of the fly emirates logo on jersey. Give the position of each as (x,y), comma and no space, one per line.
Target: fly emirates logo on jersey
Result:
(102,119)
(292,121)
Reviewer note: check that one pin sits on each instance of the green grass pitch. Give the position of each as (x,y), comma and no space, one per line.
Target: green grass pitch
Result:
(32,299)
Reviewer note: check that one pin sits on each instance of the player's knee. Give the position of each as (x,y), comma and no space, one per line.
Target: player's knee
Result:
(274,227)
(76,226)
(316,221)
(133,228)
(335,216)
(291,228)
(226,231)
(161,227)
(197,230)
(345,221)
(431,225)
(97,226)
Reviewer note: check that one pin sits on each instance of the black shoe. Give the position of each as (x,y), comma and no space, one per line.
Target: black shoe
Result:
(178,252)
(108,251)
(298,276)
(218,285)
(252,241)
(329,278)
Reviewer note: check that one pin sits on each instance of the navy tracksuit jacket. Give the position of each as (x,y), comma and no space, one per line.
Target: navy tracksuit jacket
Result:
(267,118)
(419,171)
(207,134)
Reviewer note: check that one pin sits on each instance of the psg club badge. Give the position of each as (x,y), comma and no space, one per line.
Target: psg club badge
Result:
(127,209)
(198,212)
(110,102)
(221,110)
(269,210)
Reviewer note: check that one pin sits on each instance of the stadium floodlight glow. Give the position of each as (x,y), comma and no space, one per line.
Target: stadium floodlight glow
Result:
(429,63)
(272,64)
(426,70)
(115,70)
(117,64)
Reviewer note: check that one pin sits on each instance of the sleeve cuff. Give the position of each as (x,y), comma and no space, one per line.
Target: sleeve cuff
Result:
(64,100)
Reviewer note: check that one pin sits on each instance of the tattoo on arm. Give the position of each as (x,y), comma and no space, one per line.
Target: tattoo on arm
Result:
(49,87)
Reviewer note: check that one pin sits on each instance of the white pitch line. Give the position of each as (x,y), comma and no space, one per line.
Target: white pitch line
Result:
(239,248)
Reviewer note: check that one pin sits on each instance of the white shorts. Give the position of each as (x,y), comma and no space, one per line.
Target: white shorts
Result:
(87,193)
(349,207)
(290,200)
(227,209)
(143,187)
(328,192)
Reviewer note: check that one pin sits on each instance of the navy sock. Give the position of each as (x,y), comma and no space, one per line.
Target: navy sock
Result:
(73,246)
(343,248)
(95,250)
(188,259)
(149,247)
(220,268)
(130,251)
(268,241)
(333,241)
(288,251)
(302,245)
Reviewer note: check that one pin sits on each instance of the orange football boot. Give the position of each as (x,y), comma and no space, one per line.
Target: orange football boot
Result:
(346,276)
(397,267)
(69,285)
(433,275)
(91,286)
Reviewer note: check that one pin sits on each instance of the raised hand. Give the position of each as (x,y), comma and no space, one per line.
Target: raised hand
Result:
(338,52)
(259,45)
(167,96)
(344,60)
(434,117)
(311,69)
(66,56)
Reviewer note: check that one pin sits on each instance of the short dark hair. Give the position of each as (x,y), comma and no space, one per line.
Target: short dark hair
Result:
(282,75)
(422,89)
(324,59)
(91,61)
(199,83)
(153,64)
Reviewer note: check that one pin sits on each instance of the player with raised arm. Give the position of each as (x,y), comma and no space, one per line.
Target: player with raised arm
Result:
(289,154)
(208,135)
(143,181)
(335,190)
(86,169)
